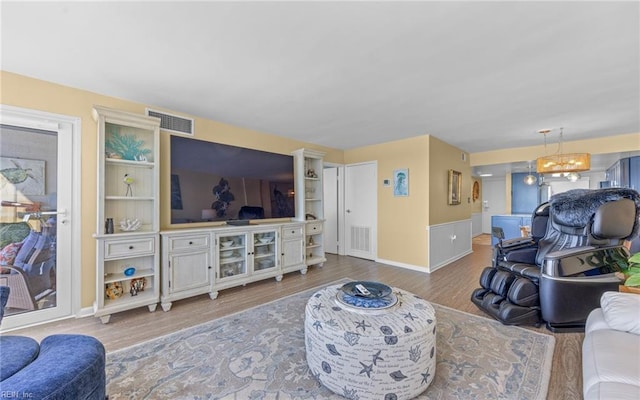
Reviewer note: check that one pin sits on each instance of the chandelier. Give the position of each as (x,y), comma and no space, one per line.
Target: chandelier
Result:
(560,162)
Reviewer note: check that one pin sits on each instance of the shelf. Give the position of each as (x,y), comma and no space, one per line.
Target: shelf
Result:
(315,260)
(130,163)
(312,199)
(309,178)
(146,296)
(313,246)
(222,248)
(118,277)
(135,198)
(265,255)
(231,260)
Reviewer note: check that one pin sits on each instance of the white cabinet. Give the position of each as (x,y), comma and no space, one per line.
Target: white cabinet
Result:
(293,248)
(207,260)
(246,255)
(127,196)
(310,202)
(187,267)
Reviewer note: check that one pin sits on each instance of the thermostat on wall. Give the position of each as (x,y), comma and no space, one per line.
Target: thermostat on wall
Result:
(386,182)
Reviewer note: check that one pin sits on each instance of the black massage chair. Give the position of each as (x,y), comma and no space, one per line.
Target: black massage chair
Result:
(558,276)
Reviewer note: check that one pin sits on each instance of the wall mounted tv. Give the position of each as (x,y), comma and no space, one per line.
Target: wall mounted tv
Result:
(218,182)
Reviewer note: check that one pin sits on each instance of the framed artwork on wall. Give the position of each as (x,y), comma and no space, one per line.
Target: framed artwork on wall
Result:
(401,182)
(455,187)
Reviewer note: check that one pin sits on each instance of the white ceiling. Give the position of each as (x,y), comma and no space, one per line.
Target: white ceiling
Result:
(478,75)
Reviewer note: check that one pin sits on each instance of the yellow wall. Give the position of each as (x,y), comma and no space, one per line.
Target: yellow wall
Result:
(402,221)
(20,91)
(442,158)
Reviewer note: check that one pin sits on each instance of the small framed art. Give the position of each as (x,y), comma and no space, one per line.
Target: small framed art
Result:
(401,182)
(455,187)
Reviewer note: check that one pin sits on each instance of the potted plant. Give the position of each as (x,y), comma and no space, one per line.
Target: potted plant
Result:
(630,275)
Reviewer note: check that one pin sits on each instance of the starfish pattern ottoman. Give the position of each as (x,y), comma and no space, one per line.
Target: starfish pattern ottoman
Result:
(385,352)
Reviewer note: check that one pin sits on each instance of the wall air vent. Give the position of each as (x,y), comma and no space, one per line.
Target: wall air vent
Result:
(173,123)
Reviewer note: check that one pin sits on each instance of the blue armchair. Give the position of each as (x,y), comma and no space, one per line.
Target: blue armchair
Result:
(60,367)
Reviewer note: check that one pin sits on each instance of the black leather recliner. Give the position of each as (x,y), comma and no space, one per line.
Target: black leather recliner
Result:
(560,279)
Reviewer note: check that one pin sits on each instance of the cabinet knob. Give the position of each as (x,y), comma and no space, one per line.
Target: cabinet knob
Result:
(209,266)
(130,247)
(190,242)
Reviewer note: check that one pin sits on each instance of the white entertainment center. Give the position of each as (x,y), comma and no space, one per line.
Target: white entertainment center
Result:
(206,260)
(139,265)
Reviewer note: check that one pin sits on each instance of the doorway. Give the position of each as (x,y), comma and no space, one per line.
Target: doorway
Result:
(39,163)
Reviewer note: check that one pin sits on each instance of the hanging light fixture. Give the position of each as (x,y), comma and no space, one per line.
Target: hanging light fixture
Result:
(559,162)
(572,176)
(530,179)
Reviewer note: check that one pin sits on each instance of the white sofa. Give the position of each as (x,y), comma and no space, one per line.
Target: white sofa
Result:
(611,349)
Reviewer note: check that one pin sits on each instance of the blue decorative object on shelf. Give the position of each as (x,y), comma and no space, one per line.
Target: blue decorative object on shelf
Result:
(130,271)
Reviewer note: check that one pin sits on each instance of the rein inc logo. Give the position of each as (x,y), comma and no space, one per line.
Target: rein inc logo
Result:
(6,394)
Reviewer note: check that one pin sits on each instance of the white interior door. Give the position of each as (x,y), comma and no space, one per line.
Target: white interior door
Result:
(330,195)
(361,210)
(493,200)
(39,153)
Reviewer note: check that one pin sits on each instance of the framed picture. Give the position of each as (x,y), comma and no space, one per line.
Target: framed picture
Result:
(401,182)
(455,187)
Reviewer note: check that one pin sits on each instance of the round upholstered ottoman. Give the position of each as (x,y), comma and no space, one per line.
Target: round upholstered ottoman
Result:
(387,353)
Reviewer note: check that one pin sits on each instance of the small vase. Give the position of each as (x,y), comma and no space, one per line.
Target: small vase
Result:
(108,226)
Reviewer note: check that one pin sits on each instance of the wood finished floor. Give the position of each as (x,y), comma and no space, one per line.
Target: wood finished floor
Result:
(449,286)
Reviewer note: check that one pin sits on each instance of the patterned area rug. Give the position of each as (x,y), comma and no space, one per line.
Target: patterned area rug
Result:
(259,354)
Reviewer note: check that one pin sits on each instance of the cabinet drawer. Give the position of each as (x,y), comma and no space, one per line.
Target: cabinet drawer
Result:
(188,242)
(127,248)
(314,227)
(291,232)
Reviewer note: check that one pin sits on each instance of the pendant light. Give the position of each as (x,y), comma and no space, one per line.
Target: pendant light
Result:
(562,162)
(530,179)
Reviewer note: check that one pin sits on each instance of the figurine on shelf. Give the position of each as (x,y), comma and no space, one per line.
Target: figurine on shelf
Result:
(137,285)
(311,173)
(113,290)
(311,243)
(128,181)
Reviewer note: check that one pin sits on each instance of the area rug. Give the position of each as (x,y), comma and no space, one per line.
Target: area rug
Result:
(259,353)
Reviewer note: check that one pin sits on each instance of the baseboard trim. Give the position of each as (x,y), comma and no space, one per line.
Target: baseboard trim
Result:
(85,312)
(402,265)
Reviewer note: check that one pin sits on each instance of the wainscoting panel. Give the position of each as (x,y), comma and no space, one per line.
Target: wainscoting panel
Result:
(448,242)
(476,224)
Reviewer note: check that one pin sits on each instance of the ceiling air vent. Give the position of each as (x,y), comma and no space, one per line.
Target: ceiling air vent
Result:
(173,123)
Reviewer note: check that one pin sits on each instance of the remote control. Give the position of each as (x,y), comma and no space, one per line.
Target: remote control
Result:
(362,290)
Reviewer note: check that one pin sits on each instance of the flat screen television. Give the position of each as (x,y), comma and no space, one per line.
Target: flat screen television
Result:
(218,182)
